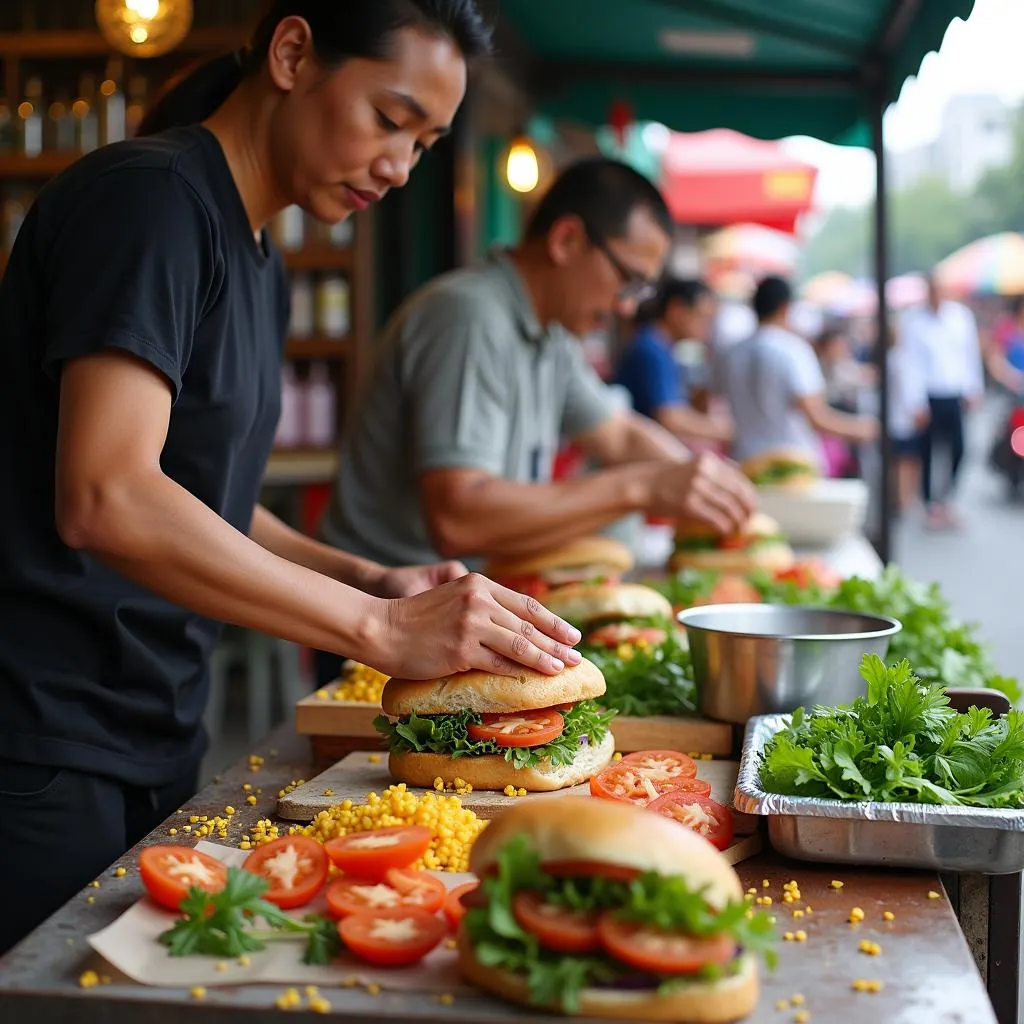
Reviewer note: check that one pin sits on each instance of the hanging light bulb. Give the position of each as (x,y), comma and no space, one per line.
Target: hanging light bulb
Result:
(522,168)
(144,28)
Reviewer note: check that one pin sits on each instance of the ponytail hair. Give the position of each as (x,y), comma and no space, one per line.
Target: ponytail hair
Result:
(341,31)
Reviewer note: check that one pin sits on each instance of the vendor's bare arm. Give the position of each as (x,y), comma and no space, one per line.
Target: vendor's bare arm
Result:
(629,437)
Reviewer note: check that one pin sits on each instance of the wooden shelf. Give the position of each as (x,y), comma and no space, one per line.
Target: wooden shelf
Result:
(46,165)
(301,466)
(84,43)
(318,257)
(319,348)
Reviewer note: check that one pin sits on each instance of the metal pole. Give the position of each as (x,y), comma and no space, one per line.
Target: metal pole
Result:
(878,105)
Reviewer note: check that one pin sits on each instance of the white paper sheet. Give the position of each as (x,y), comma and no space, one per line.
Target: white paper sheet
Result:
(131,945)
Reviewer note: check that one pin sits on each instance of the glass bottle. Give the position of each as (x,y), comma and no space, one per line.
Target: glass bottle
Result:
(112,106)
(87,122)
(136,108)
(59,133)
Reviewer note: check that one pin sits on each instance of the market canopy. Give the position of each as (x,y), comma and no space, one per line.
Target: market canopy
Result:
(722,177)
(761,67)
(993,265)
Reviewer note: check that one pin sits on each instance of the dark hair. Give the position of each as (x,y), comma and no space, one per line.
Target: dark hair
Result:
(687,290)
(355,28)
(603,193)
(772,295)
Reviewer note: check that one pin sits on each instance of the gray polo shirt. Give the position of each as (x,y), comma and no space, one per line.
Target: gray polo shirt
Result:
(464,377)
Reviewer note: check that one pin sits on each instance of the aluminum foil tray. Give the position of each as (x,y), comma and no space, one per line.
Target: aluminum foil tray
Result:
(873,833)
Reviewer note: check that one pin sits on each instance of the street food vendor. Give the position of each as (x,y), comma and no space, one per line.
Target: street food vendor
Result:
(142,323)
(481,374)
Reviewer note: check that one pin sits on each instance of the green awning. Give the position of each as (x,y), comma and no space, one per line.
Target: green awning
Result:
(768,68)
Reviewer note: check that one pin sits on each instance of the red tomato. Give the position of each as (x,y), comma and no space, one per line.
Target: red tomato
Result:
(168,872)
(519,728)
(663,763)
(640,781)
(811,572)
(701,814)
(555,928)
(295,868)
(454,908)
(402,887)
(658,952)
(616,633)
(369,855)
(733,590)
(393,937)
(734,542)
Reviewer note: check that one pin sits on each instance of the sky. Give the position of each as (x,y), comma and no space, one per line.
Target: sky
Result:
(979,56)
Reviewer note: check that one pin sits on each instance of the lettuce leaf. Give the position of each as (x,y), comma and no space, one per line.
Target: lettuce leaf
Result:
(449,734)
(653,900)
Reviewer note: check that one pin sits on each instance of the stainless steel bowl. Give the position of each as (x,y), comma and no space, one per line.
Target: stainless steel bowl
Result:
(762,659)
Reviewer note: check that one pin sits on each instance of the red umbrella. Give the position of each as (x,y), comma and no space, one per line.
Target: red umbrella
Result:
(722,177)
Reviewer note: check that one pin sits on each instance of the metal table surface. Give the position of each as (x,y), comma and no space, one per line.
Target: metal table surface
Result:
(927,970)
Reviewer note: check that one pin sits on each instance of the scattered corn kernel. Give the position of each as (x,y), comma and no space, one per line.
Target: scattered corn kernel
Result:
(319,1005)
(120,872)
(797,1000)
(808,910)
(245,845)
(869,947)
(933,895)
(94,884)
(801,936)
(251,800)
(836,884)
(373,989)
(243,961)
(322,695)
(289,1000)
(221,966)
(520,791)
(327,792)
(246,787)
(229,810)
(888,915)
(617,756)
(789,936)
(801,1017)
(752,891)
(856,915)
(446,999)
(765,884)
(798,914)
(350,982)
(373,758)
(186,828)
(172,831)
(866,985)
(90,899)
(312,991)
(199,992)
(88,979)
(782,1004)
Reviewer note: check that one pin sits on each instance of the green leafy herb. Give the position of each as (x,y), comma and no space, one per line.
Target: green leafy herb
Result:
(653,900)
(779,472)
(902,742)
(685,588)
(449,734)
(220,924)
(651,681)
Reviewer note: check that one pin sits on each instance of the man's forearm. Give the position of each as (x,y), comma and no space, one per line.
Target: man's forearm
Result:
(686,422)
(278,537)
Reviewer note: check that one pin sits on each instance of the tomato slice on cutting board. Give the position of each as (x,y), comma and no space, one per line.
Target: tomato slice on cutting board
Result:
(168,872)
(663,763)
(370,855)
(392,937)
(700,814)
(660,952)
(556,928)
(295,867)
(454,909)
(645,776)
(519,728)
(401,887)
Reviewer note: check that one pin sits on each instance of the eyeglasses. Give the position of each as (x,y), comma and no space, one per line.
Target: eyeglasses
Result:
(635,287)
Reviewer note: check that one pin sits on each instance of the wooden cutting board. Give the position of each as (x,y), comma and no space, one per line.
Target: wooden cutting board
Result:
(355,776)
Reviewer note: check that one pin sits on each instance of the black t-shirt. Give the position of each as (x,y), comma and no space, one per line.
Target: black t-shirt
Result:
(143,246)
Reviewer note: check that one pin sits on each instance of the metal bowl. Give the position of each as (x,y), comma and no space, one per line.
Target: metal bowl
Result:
(762,659)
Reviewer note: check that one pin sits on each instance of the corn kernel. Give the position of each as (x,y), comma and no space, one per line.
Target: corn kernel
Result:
(808,909)
(765,884)
(350,982)
(856,915)
(617,756)
(797,1000)
(319,1005)
(373,758)
(312,991)
(869,947)
(90,899)
(705,757)
(888,915)
(520,791)
(836,884)
(782,1004)
(751,891)
(246,787)
(221,967)
(874,986)
(172,831)
(801,936)
(120,872)
(88,979)
(245,845)
(229,810)
(446,999)
(243,961)
(198,992)
(251,800)
(798,914)
(789,936)
(373,989)
(801,1017)
(327,792)
(933,895)
(94,885)
(322,695)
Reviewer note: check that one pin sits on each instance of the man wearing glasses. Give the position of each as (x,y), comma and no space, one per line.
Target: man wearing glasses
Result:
(480,375)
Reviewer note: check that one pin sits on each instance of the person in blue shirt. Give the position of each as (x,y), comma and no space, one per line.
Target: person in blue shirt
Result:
(682,310)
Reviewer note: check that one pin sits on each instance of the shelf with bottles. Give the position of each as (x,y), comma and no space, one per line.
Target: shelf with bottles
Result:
(309,407)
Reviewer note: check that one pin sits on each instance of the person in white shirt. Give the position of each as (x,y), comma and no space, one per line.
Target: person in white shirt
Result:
(775,387)
(941,338)
(908,419)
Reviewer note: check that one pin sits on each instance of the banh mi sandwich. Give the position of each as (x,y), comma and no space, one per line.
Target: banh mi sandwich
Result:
(759,544)
(610,614)
(601,908)
(782,467)
(586,558)
(528,731)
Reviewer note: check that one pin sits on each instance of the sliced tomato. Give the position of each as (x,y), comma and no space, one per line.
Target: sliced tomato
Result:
(370,855)
(616,633)
(644,776)
(393,937)
(564,707)
(659,952)
(454,908)
(519,728)
(734,542)
(556,928)
(401,887)
(295,867)
(668,764)
(168,872)
(700,814)
(732,590)
(811,572)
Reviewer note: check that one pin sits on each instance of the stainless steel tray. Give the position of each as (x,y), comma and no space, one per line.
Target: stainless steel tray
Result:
(896,835)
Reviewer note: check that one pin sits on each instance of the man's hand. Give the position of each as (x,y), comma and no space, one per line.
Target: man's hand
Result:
(415,579)
(706,488)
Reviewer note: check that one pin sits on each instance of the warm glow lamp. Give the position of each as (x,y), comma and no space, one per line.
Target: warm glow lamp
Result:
(144,28)
(522,169)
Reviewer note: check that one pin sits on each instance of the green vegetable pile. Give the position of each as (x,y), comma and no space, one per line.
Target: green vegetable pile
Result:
(220,924)
(449,734)
(902,742)
(651,681)
(660,902)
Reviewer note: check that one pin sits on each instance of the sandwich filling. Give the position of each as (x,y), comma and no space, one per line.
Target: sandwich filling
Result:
(541,585)
(782,471)
(732,542)
(524,738)
(568,927)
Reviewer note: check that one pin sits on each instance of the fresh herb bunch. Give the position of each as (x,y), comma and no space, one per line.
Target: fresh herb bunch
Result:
(652,680)
(220,924)
(656,901)
(902,742)
(686,587)
(448,734)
